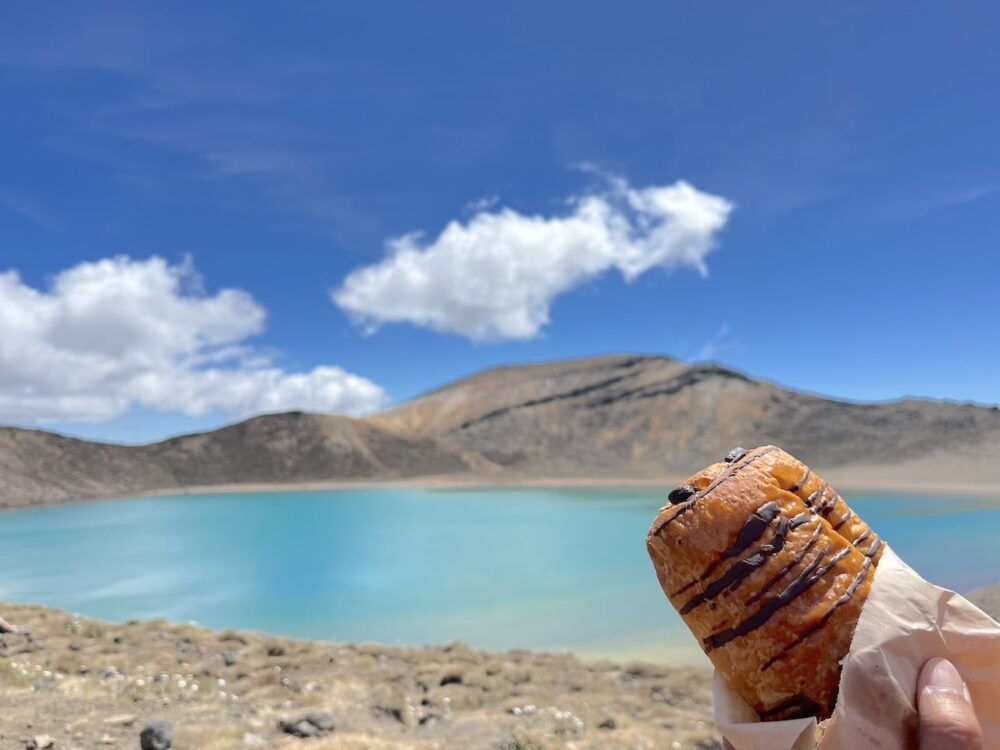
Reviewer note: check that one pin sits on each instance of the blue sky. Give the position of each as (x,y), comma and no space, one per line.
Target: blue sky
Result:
(838,233)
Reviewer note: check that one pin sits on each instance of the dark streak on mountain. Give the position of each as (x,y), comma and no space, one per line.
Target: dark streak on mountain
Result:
(575,393)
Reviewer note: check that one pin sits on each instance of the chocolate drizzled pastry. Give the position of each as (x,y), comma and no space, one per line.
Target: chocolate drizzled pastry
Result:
(769,568)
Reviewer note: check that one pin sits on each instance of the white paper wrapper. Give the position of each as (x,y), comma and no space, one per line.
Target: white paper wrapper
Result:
(904,622)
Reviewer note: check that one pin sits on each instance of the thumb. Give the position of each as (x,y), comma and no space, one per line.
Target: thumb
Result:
(947,721)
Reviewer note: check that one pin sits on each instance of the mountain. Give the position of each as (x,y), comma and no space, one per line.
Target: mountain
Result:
(39,467)
(655,415)
(608,417)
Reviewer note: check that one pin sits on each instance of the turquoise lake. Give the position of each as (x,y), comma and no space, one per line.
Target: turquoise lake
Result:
(541,569)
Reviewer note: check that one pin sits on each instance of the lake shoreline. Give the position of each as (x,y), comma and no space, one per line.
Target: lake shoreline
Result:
(88,683)
(846,480)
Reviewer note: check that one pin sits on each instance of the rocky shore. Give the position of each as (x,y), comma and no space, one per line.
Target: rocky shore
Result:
(73,682)
(77,683)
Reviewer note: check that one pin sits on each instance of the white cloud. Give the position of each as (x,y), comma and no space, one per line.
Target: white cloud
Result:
(117,333)
(495,276)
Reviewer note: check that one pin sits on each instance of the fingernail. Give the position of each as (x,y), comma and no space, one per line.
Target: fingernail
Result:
(942,677)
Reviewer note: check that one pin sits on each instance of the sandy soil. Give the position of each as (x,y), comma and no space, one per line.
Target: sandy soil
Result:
(87,684)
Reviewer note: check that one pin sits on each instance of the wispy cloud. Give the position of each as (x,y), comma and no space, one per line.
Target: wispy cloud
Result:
(939,198)
(277,163)
(219,116)
(712,347)
(18,203)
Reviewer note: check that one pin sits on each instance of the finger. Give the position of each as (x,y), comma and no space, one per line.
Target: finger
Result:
(947,720)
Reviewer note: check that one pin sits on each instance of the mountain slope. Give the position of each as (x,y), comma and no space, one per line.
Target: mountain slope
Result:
(655,415)
(616,417)
(37,466)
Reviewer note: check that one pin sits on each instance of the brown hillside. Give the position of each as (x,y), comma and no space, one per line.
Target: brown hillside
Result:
(657,415)
(39,467)
(616,417)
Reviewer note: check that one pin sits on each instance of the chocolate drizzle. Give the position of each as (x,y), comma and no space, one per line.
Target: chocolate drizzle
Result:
(846,517)
(802,518)
(778,542)
(684,588)
(802,482)
(841,601)
(735,469)
(681,510)
(753,529)
(805,580)
(681,494)
(873,548)
(731,579)
(723,476)
(817,495)
(828,506)
(784,571)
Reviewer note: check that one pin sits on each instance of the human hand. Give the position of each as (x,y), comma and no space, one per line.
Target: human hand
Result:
(947,719)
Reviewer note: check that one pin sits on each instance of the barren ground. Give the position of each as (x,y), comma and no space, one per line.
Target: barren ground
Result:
(88,684)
